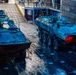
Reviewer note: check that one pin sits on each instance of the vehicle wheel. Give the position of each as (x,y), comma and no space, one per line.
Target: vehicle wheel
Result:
(49,51)
(55,44)
(55,48)
(40,33)
(49,45)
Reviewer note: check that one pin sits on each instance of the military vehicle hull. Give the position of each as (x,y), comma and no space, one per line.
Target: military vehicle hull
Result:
(12,49)
(12,40)
(55,33)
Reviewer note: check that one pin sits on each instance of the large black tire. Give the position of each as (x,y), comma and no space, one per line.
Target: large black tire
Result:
(55,49)
(55,43)
(49,45)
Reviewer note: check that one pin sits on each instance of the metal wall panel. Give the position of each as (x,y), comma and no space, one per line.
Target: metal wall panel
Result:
(69,10)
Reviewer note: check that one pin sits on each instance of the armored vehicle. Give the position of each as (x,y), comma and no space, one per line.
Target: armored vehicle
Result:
(55,32)
(12,40)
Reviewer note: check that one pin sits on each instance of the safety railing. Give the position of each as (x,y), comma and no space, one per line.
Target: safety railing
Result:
(39,4)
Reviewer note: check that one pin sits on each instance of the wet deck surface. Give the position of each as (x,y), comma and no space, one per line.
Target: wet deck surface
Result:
(35,63)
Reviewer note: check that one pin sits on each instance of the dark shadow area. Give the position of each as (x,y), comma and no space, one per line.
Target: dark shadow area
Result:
(11,66)
(62,61)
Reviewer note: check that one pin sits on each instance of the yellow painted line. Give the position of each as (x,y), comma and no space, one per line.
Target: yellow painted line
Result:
(20,9)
